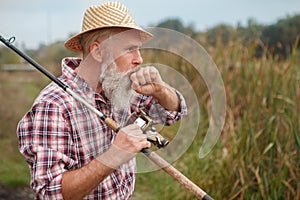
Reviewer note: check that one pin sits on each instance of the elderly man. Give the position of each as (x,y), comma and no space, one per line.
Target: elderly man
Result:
(71,153)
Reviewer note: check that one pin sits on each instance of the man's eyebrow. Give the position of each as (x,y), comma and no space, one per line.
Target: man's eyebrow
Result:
(133,46)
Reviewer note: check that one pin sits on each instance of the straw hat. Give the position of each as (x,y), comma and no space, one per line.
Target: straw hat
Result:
(107,15)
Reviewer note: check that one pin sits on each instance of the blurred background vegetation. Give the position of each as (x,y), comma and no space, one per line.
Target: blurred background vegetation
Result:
(258,153)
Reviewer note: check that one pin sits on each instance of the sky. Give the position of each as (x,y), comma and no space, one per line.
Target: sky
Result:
(35,22)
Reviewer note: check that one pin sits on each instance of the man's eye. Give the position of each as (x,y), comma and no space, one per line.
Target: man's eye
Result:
(132,49)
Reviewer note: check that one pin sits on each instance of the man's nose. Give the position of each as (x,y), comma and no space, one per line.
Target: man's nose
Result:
(137,59)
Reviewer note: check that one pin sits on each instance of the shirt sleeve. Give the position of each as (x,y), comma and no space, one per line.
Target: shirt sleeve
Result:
(158,113)
(46,145)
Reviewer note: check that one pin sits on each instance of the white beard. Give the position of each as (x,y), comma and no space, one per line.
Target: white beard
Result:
(117,87)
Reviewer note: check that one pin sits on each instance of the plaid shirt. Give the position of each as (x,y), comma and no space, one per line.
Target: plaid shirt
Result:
(60,134)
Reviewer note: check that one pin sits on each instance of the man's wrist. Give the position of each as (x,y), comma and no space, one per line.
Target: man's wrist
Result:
(114,157)
(168,98)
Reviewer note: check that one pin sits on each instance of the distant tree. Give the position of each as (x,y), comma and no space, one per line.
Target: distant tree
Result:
(252,31)
(220,33)
(281,37)
(177,25)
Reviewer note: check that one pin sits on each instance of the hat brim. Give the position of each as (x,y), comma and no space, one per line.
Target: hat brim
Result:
(73,43)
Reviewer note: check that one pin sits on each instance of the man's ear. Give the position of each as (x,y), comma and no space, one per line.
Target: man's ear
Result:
(96,51)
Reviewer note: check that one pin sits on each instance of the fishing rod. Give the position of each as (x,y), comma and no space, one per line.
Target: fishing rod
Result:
(143,121)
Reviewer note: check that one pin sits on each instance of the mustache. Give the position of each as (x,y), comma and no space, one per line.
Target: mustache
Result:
(131,71)
(124,79)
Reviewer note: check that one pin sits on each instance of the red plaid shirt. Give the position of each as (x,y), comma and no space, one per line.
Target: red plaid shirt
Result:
(60,134)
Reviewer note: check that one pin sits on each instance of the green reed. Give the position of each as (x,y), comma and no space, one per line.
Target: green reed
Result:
(258,154)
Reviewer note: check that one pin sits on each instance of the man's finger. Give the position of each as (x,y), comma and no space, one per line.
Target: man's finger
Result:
(140,77)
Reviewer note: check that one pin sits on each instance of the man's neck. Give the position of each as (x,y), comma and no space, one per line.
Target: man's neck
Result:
(90,73)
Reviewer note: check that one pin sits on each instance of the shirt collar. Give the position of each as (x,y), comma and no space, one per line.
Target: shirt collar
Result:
(76,82)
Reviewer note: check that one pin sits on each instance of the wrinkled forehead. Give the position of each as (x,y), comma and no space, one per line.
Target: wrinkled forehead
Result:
(129,37)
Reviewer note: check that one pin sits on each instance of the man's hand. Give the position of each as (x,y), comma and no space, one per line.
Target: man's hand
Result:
(131,139)
(147,81)
(128,141)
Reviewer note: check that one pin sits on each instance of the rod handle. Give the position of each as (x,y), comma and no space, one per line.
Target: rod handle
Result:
(112,124)
(177,175)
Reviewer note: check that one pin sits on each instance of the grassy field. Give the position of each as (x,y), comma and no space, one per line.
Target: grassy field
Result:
(258,153)
(17,91)
(256,157)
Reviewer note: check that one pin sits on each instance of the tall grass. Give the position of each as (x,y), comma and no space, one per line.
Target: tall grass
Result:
(258,153)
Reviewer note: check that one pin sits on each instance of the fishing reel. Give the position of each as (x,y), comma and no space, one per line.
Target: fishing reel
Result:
(146,124)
